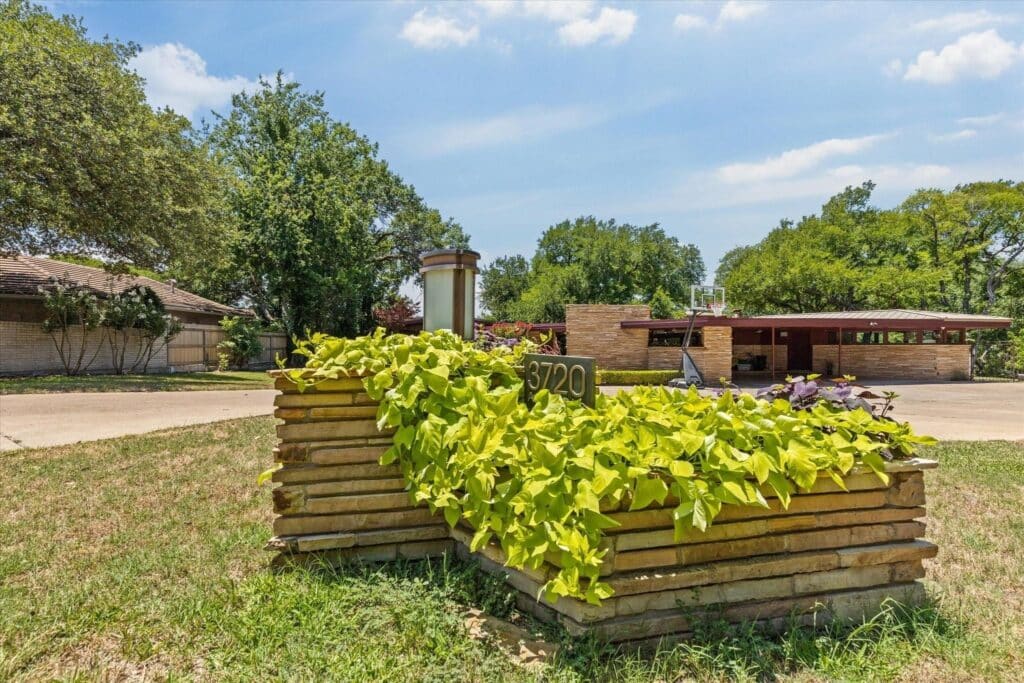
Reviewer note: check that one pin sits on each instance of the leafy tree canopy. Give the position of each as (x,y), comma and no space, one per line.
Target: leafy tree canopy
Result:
(86,165)
(590,261)
(324,229)
(950,251)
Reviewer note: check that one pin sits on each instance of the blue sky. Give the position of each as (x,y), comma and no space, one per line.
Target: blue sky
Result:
(713,119)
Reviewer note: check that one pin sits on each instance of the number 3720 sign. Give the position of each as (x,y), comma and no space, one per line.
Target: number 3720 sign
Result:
(568,376)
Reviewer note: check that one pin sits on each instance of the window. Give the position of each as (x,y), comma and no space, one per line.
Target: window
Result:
(954,336)
(930,337)
(902,337)
(674,337)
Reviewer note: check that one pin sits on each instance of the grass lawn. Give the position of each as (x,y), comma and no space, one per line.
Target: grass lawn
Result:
(142,558)
(180,381)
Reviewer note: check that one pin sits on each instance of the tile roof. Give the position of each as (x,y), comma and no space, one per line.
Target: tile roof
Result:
(25,274)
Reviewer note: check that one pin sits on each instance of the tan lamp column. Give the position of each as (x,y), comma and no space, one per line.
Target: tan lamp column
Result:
(449,290)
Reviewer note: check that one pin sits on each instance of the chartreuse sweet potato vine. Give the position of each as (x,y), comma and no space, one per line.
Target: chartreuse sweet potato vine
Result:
(537,478)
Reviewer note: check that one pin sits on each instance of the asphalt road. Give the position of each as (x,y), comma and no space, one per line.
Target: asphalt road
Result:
(34,420)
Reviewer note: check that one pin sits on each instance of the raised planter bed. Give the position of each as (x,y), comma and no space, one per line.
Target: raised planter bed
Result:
(831,554)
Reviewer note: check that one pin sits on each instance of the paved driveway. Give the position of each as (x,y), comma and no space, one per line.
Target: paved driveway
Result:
(33,420)
(956,410)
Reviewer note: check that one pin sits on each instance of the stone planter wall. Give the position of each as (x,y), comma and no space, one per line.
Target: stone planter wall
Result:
(334,501)
(831,554)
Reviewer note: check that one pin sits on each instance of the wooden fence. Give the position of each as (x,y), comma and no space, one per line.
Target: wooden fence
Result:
(195,348)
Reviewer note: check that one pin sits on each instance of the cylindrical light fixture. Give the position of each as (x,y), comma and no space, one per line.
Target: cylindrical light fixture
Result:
(449,290)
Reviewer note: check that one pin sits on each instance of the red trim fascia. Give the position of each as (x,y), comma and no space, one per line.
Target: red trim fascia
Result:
(818,323)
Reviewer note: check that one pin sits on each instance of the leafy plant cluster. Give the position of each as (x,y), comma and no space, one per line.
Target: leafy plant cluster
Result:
(241,342)
(806,392)
(540,478)
(74,313)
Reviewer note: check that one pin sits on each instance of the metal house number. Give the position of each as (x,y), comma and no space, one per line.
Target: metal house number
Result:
(568,376)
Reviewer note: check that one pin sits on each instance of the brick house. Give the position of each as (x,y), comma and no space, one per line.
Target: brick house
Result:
(892,344)
(25,348)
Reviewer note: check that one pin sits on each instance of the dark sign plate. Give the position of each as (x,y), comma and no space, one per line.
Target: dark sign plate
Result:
(568,376)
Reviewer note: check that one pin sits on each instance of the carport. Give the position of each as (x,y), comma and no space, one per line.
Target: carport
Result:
(895,343)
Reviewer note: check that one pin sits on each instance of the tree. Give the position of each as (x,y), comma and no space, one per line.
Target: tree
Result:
(961,251)
(72,315)
(502,283)
(241,341)
(325,230)
(86,165)
(852,256)
(593,261)
(393,314)
(662,306)
(973,235)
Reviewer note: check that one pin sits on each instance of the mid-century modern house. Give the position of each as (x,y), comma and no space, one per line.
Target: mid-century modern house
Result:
(891,344)
(25,348)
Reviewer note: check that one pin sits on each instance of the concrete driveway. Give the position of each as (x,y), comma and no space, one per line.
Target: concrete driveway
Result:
(35,420)
(971,411)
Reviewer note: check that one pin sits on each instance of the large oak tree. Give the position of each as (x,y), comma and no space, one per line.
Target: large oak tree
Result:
(86,165)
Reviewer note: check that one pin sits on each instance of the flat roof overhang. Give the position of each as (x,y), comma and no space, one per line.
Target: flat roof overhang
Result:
(547,327)
(987,322)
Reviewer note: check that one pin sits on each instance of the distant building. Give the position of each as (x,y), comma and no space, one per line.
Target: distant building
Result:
(890,344)
(25,348)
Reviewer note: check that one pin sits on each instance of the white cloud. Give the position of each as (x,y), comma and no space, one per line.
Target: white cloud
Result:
(978,55)
(964,134)
(732,11)
(893,68)
(701,191)
(435,32)
(794,161)
(961,21)
(614,25)
(579,25)
(558,11)
(518,126)
(981,120)
(735,10)
(686,22)
(176,77)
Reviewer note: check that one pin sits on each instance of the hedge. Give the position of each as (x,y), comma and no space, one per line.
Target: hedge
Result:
(628,377)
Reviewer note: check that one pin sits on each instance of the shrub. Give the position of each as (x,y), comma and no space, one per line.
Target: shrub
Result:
(393,314)
(662,306)
(138,313)
(630,377)
(511,334)
(538,477)
(241,342)
(72,315)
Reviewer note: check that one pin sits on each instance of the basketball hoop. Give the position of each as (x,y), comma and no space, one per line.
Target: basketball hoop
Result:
(707,299)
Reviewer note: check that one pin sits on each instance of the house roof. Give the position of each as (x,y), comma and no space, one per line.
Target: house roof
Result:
(23,275)
(893,318)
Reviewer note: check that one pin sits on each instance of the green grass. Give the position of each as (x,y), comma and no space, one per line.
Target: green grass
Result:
(182,381)
(142,558)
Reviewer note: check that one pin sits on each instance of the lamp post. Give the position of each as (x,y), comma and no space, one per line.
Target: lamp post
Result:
(449,290)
